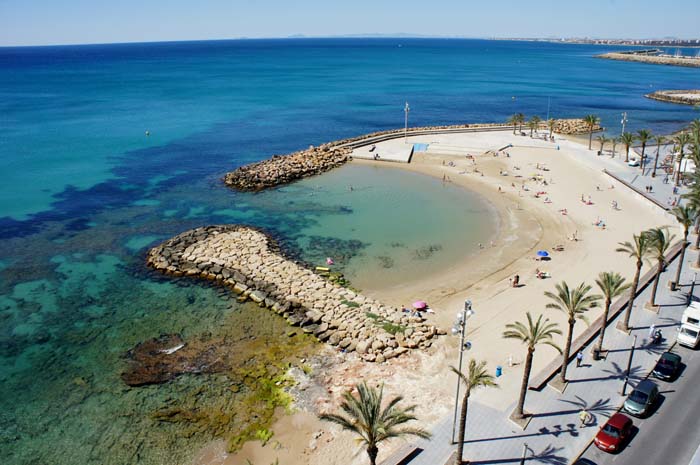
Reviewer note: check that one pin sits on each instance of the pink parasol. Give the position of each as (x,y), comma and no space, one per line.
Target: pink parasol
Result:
(419,304)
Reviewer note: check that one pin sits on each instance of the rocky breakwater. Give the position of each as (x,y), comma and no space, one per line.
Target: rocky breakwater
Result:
(574,126)
(249,262)
(688,61)
(281,169)
(685,97)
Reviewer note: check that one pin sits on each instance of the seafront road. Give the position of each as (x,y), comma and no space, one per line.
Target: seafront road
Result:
(672,433)
(554,435)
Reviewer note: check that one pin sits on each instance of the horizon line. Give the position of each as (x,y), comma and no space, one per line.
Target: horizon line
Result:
(397,35)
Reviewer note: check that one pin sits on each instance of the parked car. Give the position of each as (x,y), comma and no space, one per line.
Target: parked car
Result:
(642,398)
(613,435)
(633,162)
(667,367)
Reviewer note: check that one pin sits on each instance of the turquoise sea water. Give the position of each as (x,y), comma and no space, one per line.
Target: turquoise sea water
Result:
(85,191)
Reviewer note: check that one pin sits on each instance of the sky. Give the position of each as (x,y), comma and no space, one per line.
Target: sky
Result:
(50,22)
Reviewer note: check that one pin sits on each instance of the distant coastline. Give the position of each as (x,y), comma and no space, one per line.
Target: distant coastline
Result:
(686,43)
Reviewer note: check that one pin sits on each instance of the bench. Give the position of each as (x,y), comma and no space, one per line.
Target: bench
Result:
(403,455)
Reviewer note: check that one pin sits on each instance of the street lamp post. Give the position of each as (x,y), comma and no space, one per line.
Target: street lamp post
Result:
(624,122)
(629,366)
(406,109)
(460,327)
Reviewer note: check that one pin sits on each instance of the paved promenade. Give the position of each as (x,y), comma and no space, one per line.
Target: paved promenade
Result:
(554,435)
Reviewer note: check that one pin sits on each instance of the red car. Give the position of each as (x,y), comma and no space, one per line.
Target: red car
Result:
(614,433)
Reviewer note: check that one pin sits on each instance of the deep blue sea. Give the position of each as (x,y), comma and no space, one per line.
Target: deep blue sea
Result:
(107,149)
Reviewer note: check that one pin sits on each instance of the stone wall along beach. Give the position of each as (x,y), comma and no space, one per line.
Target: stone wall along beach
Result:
(248,261)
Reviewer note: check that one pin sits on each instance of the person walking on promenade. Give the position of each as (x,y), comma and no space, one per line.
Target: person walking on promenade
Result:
(579,358)
(652,328)
(583,417)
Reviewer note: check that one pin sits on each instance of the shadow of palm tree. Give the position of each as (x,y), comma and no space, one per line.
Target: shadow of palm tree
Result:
(616,372)
(600,406)
(555,431)
(549,455)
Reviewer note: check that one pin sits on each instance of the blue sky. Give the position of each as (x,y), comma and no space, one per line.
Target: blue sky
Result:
(35,22)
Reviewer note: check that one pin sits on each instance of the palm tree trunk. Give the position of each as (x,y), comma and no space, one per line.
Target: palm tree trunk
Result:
(682,257)
(590,137)
(633,294)
(606,311)
(641,163)
(514,125)
(462,428)
(656,160)
(372,451)
(659,269)
(567,351)
(627,153)
(678,171)
(519,410)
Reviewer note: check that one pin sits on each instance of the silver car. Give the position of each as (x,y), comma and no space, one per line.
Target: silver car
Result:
(641,399)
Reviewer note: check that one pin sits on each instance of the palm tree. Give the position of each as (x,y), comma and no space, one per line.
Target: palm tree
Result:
(659,243)
(521,120)
(536,121)
(591,121)
(531,125)
(637,249)
(614,140)
(612,285)
(514,121)
(532,334)
(551,124)
(686,216)
(627,138)
(574,303)
(644,136)
(365,417)
(660,140)
(603,140)
(476,376)
(681,141)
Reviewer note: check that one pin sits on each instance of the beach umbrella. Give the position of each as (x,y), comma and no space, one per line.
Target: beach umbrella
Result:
(419,305)
(542,253)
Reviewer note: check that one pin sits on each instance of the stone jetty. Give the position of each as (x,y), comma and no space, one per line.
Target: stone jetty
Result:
(670,60)
(282,169)
(250,263)
(685,97)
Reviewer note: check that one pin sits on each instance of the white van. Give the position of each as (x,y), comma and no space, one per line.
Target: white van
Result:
(689,332)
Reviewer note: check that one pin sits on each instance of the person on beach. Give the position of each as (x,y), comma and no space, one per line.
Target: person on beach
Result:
(579,358)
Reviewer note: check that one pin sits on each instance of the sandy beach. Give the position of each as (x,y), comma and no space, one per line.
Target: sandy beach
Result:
(536,188)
